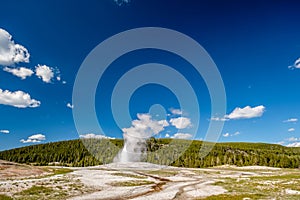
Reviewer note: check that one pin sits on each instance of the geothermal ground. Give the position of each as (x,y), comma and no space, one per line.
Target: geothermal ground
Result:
(140,181)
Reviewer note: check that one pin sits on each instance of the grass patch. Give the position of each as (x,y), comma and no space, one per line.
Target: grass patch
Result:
(50,171)
(162,173)
(131,183)
(289,176)
(36,191)
(129,175)
(262,187)
(40,192)
(235,197)
(4,197)
(62,171)
(57,171)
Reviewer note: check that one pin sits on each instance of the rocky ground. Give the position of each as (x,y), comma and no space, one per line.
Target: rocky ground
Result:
(141,181)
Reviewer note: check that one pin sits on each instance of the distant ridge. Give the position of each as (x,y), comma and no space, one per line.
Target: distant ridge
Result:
(74,153)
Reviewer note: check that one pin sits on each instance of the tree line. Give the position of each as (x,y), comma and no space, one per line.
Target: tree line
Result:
(159,151)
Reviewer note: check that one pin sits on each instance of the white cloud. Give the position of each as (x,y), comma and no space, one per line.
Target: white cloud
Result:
(181,122)
(70,105)
(291,129)
(44,72)
(242,113)
(183,136)
(4,131)
(34,138)
(292,139)
(145,126)
(17,99)
(226,135)
(167,135)
(290,120)
(295,144)
(94,136)
(246,112)
(219,119)
(21,72)
(234,134)
(11,53)
(176,111)
(296,64)
(290,142)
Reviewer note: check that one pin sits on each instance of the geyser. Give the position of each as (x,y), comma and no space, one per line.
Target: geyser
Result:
(135,137)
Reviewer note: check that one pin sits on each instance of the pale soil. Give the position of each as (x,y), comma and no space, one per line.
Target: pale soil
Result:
(11,170)
(138,181)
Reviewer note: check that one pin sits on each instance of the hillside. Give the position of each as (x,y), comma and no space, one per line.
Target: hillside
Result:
(74,153)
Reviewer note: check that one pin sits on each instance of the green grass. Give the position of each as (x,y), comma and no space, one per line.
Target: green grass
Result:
(40,192)
(61,171)
(129,175)
(36,191)
(131,183)
(4,197)
(235,197)
(162,173)
(260,187)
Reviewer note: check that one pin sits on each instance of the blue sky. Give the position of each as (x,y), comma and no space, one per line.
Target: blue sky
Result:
(255,45)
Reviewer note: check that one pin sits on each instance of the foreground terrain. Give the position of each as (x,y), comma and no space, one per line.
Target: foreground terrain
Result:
(147,181)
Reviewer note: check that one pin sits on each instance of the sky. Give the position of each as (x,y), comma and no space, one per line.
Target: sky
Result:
(254,44)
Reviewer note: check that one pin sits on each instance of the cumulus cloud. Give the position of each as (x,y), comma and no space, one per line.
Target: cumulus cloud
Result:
(291,129)
(226,135)
(167,135)
(296,64)
(21,72)
(181,122)
(94,136)
(4,131)
(183,136)
(242,113)
(290,120)
(34,139)
(17,99)
(290,142)
(176,111)
(69,105)
(10,52)
(44,72)
(294,144)
(145,126)
(246,112)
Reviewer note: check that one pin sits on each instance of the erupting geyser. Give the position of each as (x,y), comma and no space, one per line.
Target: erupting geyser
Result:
(135,137)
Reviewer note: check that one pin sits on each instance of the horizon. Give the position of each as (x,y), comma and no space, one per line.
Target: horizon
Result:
(218,142)
(253,45)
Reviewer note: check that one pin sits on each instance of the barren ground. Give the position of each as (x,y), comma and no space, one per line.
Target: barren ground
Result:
(140,181)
